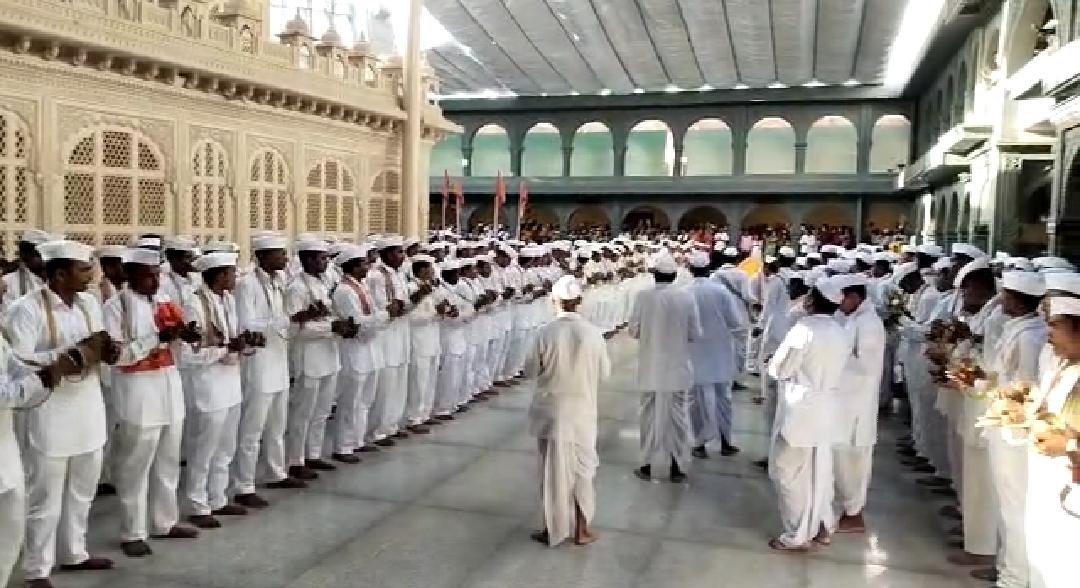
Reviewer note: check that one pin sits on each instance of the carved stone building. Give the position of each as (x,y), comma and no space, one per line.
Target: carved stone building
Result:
(120,117)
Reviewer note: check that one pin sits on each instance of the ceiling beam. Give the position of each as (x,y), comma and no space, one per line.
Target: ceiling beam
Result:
(859,39)
(536,48)
(614,49)
(690,42)
(772,43)
(499,47)
(816,31)
(652,42)
(731,41)
(574,44)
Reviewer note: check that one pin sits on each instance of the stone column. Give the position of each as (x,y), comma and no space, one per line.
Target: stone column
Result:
(860,218)
(738,152)
(466,156)
(1006,217)
(414,104)
(567,155)
(800,157)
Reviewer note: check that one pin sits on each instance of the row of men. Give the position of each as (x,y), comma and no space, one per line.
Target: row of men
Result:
(234,371)
(1019,324)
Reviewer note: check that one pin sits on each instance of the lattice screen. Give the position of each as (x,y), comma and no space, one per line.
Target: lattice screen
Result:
(114,187)
(17,212)
(268,192)
(330,203)
(384,205)
(211,198)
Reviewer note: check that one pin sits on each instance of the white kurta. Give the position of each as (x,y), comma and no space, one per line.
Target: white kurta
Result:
(569,359)
(714,360)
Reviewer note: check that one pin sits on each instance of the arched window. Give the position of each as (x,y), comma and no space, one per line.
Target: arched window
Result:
(16,210)
(947,106)
(114,187)
(268,192)
(960,103)
(766,214)
(707,149)
(542,151)
(832,146)
(330,206)
(384,204)
(833,215)
(702,216)
(770,147)
(491,152)
(642,218)
(650,150)
(594,152)
(446,157)
(211,202)
(890,144)
(588,217)
(307,57)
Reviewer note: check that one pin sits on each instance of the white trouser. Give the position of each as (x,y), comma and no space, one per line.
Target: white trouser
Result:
(490,366)
(262,430)
(469,387)
(423,373)
(567,470)
(13,522)
(803,477)
(356,394)
(147,463)
(515,357)
(978,502)
(710,412)
(212,447)
(310,401)
(111,424)
(390,396)
(479,367)
(502,346)
(59,493)
(1009,467)
(665,427)
(853,466)
(448,388)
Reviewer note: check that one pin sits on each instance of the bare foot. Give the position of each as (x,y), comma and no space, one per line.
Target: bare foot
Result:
(585,538)
(539,537)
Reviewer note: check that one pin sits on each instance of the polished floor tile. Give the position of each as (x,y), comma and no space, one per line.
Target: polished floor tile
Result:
(454,510)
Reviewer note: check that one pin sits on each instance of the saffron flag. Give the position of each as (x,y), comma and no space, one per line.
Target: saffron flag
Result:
(445,197)
(459,203)
(500,200)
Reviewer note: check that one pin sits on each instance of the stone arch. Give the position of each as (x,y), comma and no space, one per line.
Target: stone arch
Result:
(593,151)
(588,216)
(115,186)
(447,156)
(938,116)
(646,217)
(1070,205)
(269,187)
(890,143)
(650,149)
(491,151)
(485,215)
(830,214)
(947,105)
(766,214)
(888,215)
(212,204)
(707,148)
(384,203)
(832,146)
(702,215)
(540,214)
(770,147)
(541,153)
(20,203)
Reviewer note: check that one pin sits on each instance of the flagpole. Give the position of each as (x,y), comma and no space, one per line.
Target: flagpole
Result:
(445,197)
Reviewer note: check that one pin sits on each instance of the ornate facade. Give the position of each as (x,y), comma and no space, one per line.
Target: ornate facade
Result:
(120,117)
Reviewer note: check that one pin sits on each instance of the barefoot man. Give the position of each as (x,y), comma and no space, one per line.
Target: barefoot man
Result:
(568,360)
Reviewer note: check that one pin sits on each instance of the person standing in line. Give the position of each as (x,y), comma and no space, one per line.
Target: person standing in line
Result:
(857,402)
(387,284)
(808,366)
(665,320)
(424,351)
(29,276)
(110,259)
(569,360)
(149,398)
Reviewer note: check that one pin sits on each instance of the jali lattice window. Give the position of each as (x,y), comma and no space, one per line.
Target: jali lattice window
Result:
(384,205)
(268,192)
(211,198)
(16,210)
(114,183)
(331,200)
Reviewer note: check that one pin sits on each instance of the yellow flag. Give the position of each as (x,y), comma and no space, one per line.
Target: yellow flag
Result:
(752,265)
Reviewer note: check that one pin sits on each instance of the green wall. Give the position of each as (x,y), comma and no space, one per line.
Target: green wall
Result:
(645,153)
(594,155)
(542,155)
(708,152)
(446,155)
(891,147)
(832,149)
(491,154)
(770,150)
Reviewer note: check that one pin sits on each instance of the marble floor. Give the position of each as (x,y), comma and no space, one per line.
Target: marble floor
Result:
(454,510)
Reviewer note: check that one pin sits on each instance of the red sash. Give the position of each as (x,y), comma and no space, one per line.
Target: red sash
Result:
(166,314)
(365,304)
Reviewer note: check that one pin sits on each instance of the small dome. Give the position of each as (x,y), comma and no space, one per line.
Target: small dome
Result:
(297,26)
(332,38)
(362,47)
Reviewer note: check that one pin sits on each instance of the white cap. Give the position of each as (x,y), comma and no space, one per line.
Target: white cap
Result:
(65,249)
(464,262)
(1063,282)
(1020,263)
(831,288)
(388,242)
(1058,263)
(337,247)
(532,252)
(909,249)
(349,253)
(215,259)
(1064,305)
(930,249)
(800,260)
(770,259)
(111,251)
(312,245)
(1001,256)
(449,264)
(904,270)
(786,251)
(410,242)
(842,266)
(422,258)
(665,264)
(35,236)
(148,242)
(942,264)
(885,256)
(731,252)
(865,257)
(142,256)
(220,247)
(852,280)
(979,264)
(967,249)
(265,242)
(1029,283)
(699,259)
(179,243)
(566,288)
(832,249)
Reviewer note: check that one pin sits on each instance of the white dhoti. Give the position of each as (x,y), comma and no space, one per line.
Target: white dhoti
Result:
(212,447)
(263,418)
(710,412)
(469,387)
(13,522)
(147,474)
(853,467)
(390,397)
(423,373)
(803,477)
(567,470)
(978,502)
(1009,467)
(448,388)
(356,395)
(1050,528)
(665,427)
(59,493)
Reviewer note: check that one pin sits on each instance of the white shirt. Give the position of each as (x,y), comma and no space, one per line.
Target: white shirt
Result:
(714,353)
(260,308)
(360,354)
(386,284)
(19,283)
(313,351)
(424,324)
(859,390)
(665,319)
(20,387)
(211,373)
(454,331)
(177,288)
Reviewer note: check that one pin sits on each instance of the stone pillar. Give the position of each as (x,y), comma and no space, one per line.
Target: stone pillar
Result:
(1006,231)
(567,155)
(620,160)
(738,152)
(860,218)
(800,157)
(466,157)
(414,104)
(677,168)
(515,159)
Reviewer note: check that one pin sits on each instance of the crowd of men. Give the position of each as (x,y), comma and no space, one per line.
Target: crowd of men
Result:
(181,377)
